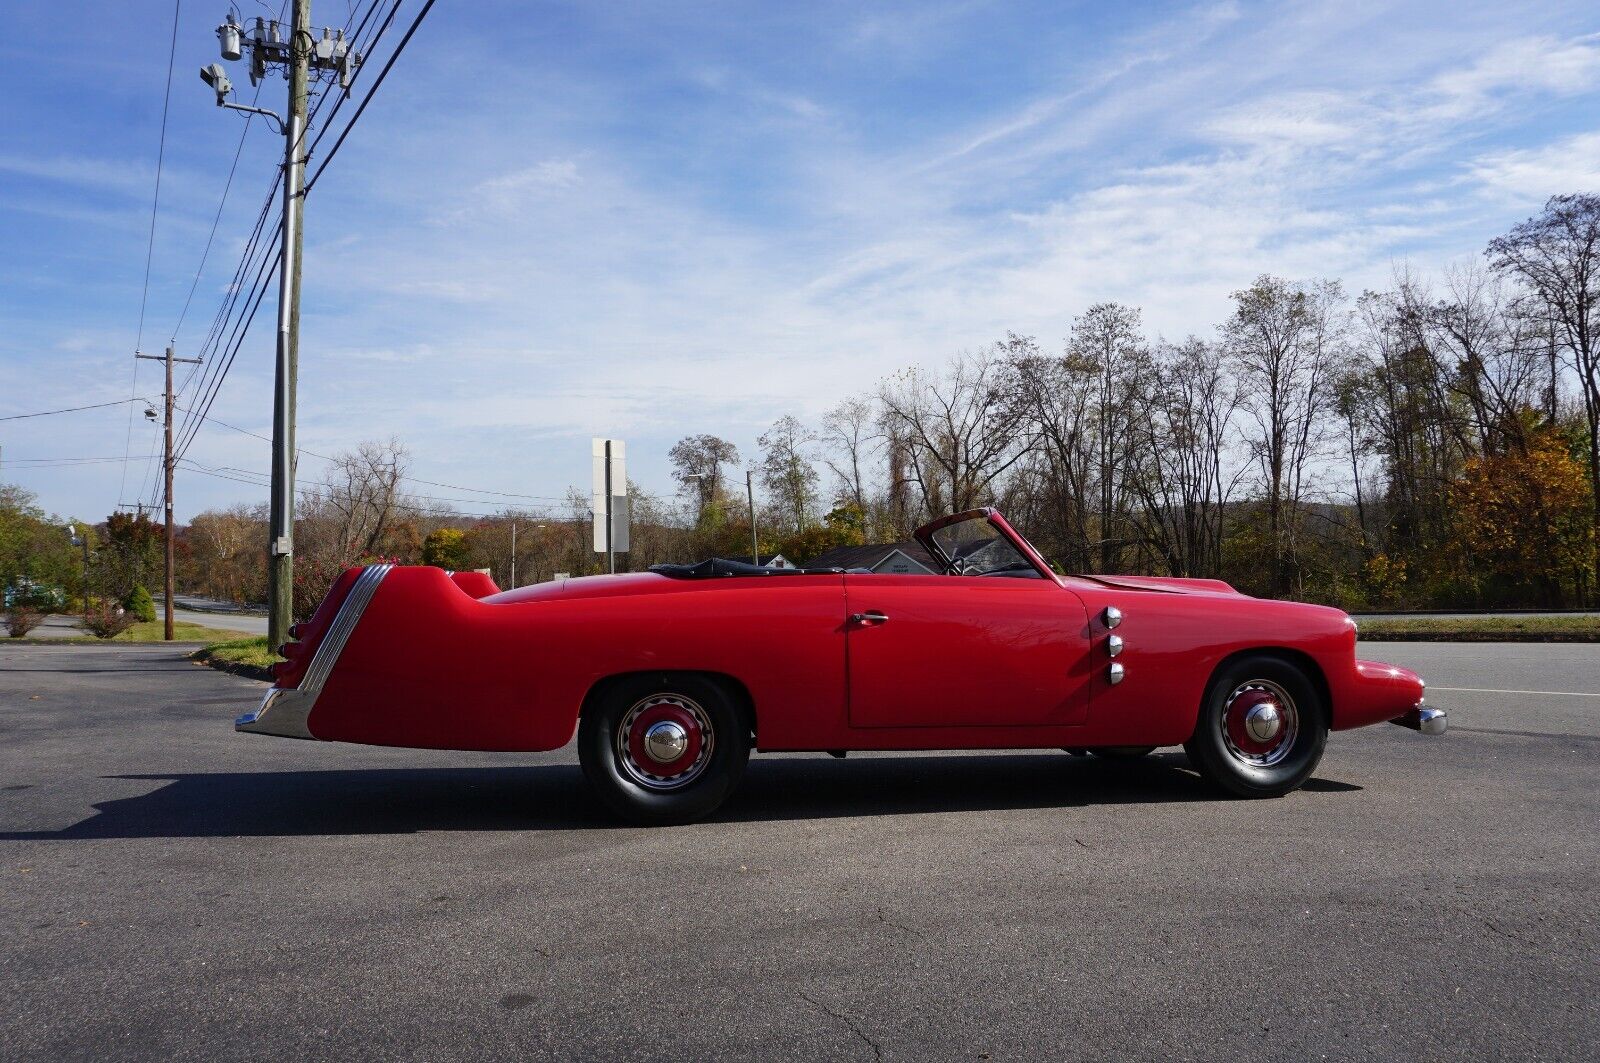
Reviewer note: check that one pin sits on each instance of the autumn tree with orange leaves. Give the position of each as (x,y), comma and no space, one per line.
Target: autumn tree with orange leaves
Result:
(1524,517)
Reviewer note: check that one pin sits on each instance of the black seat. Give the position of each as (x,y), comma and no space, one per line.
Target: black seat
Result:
(721,566)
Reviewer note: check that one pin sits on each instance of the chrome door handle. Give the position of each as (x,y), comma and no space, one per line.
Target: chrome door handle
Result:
(873,617)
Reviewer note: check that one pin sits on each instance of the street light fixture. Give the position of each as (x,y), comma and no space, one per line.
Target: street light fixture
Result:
(217,77)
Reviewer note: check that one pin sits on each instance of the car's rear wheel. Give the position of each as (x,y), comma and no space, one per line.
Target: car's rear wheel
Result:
(663,749)
(1261,729)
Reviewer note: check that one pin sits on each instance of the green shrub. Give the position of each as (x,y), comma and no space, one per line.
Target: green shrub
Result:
(140,605)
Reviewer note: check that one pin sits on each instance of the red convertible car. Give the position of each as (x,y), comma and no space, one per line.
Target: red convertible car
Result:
(670,677)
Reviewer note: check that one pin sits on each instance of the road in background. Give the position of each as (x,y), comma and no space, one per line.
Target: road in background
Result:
(66,626)
(172,889)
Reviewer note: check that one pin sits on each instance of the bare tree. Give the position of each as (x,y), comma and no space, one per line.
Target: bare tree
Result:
(787,471)
(1489,353)
(1283,339)
(1557,255)
(958,430)
(1051,398)
(364,488)
(849,439)
(1106,338)
(1179,468)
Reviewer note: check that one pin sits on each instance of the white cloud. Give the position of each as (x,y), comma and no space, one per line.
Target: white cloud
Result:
(1528,64)
(1532,175)
(118,175)
(511,192)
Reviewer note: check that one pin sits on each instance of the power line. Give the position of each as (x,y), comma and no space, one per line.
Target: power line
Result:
(363,49)
(262,479)
(227,186)
(237,340)
(412,479)
(211,380)
(230,299)
(75,409)
(401,47)
(161,152)
(217,367)
(150,248)
(43,463)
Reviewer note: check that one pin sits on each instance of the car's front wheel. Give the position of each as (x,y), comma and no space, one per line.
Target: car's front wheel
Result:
(663,749)
(1261,729)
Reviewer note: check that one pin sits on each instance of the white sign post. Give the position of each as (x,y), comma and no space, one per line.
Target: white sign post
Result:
(610,500)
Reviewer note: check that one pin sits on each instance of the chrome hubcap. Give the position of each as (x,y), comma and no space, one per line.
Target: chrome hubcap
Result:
(1259,723)
(1263,721)
(664,741)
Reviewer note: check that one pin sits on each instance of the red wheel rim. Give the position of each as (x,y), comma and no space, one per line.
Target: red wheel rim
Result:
(664,741)
(1259,723)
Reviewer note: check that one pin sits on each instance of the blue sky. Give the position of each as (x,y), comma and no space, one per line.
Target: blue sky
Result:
(647,220)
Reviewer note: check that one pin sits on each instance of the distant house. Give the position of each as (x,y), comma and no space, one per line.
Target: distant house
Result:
(906,559)
(765,560)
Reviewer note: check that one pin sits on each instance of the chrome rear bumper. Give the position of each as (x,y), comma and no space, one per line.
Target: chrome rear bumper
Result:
(286,712)
(282,712)
(1424,718)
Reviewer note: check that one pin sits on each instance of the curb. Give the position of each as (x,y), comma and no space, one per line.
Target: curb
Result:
(238,668)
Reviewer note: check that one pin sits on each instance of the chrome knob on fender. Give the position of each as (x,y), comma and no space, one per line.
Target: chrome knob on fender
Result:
(1114,673)
(1113,645)
(1112,616)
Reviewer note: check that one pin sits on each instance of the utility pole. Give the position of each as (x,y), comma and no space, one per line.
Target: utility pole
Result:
(167,464)
(513,555)
(280,533)
(750,491)
(299,56)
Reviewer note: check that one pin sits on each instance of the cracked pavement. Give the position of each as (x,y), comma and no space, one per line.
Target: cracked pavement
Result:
(172,890)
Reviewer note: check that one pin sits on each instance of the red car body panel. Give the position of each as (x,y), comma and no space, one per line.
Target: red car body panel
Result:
(438,660)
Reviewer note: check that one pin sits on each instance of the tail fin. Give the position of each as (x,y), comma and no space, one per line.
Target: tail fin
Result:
(474,584)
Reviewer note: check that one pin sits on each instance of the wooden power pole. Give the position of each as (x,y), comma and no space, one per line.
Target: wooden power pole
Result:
(280,552)
(167,463)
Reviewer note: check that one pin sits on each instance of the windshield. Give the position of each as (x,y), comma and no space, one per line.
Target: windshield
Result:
(976,548)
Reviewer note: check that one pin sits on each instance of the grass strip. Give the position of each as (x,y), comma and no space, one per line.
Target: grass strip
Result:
(247,656)
(1483,629)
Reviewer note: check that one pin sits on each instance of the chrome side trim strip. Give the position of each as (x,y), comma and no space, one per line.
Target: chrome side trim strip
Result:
(285,712)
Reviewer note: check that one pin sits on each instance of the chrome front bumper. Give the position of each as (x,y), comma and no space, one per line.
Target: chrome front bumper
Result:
(1428,720)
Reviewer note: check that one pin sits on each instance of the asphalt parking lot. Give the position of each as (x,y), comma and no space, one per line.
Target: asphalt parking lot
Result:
(169,889)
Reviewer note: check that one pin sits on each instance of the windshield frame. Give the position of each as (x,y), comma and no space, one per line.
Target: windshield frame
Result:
(924,535)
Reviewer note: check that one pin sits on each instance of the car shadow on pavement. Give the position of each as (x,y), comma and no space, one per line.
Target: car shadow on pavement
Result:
(553,797)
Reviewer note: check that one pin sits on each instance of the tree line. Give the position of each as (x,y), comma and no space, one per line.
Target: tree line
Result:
(1430,444)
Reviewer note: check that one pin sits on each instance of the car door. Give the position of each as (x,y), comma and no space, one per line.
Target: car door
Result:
(964,651)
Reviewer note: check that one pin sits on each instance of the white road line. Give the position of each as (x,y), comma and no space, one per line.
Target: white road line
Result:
(1486,690)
